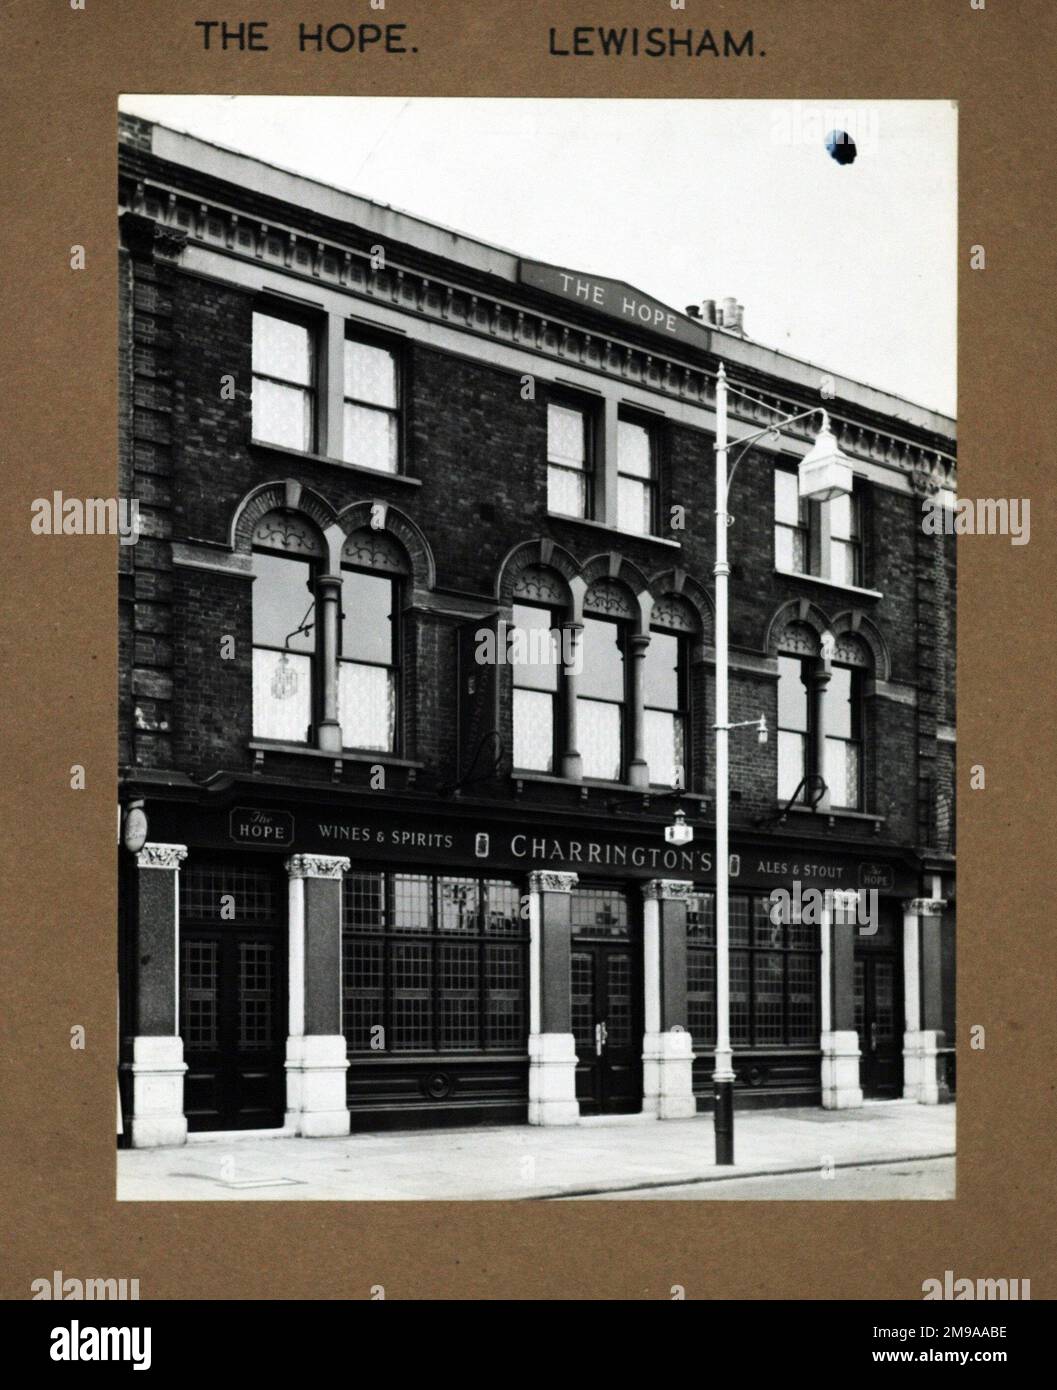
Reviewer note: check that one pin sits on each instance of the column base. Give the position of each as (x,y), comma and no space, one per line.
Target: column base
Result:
(552,1079)
(841,1088)
(638,773)
(158,1068)
(316,1104)
(330,736)
(923,1078)
(572,767)
(667,1075)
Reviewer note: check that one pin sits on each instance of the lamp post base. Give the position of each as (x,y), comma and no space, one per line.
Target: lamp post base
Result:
(723,1120)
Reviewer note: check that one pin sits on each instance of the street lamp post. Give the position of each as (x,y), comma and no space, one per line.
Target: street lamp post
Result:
(824,473)
(723,1075)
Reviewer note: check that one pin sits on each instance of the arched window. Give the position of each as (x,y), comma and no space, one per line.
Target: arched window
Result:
(666,697)
(286,557)
(796,712)
(536,655)
(368,658)
(843,759)
(602,690)
(602,699)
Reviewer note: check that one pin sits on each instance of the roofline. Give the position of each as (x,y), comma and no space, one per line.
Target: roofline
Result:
(433,238)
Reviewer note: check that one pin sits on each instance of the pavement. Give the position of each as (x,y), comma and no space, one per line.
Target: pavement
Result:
(920,1179)
(628,1156)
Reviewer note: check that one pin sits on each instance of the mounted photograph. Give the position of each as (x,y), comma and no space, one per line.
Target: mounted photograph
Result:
(537,649)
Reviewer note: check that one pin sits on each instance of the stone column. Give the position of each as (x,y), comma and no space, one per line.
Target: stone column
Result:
(158,1065)
(638,768)
(841,1087)
(552,1049)
(923,1078)
(572,647)
(316,1056)
(328,590)
(667,1048)
(817,681)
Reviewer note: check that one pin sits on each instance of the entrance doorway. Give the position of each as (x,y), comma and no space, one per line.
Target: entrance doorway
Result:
(233,998)
(878,987)
(606,997)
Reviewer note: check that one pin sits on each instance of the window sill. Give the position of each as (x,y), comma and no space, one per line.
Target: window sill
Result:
(836,813)
(593,784)
(280,451)
(614,530)
(261,746)
(829,583)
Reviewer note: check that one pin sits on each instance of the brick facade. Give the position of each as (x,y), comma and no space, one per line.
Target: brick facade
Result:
(476,447)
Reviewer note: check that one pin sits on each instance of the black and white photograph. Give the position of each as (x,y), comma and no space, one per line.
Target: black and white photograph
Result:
(536,671)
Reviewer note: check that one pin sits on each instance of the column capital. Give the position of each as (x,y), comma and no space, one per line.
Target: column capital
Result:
(317,865)
(925,907)
(154,855)
(638,642)
(549,881)
(667,889)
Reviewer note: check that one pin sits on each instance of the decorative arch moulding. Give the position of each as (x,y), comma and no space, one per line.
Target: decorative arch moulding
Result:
(543,572)
(290,516)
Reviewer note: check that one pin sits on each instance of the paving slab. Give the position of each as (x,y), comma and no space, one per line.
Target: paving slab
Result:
(525,1162)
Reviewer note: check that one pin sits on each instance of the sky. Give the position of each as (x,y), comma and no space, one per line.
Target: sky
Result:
(852,267)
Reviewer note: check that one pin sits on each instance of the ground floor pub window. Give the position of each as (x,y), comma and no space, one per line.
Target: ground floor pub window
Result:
(434,964)
(774,975)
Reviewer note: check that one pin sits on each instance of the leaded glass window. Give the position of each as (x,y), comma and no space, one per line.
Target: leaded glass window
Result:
(774,975)
(433,964)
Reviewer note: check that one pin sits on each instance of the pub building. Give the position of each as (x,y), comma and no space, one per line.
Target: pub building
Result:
(416,669)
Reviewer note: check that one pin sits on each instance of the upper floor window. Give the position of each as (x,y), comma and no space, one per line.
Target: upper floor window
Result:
(371,424)
(665,709)
(601,701)
(792,524)
(821,719)
(537,678)
(636,478)
(794,729)
(284,384)
(843,757)
(568,460)
(845,540)
(325,653)
(368,683)
(285,649)
(821,539)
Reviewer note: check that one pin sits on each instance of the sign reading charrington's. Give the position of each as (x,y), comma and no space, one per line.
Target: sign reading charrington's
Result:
(387,838)
(507,848)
